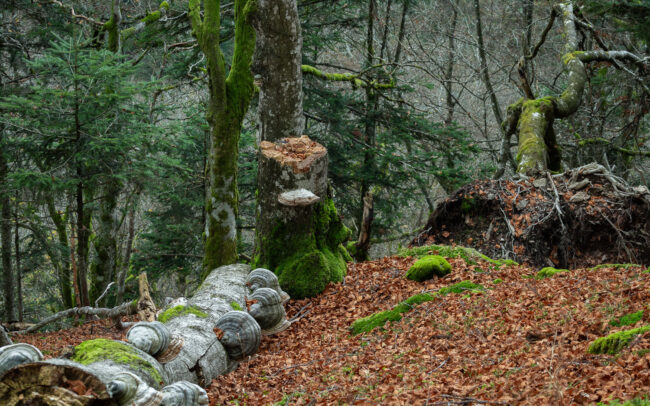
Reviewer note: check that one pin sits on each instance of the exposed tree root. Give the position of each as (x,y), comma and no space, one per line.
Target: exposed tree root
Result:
(580,217)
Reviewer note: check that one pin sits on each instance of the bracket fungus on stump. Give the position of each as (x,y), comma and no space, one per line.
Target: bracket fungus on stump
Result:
(299,233)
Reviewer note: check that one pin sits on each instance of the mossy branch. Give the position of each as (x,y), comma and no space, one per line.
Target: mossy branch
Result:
(625,151)
(354,79)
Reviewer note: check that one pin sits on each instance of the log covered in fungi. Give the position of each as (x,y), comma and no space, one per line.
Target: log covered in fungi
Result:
(164,363)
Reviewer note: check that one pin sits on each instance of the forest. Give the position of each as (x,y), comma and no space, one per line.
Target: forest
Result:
(278,202)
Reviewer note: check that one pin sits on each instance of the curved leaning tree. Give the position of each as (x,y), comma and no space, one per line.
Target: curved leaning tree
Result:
(164,362)
(533,119)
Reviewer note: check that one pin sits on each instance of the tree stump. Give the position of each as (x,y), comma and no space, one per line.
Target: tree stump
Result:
(164,362)
(299,234)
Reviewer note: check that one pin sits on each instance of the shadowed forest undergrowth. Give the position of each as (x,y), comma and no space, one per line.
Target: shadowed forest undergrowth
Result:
(522,340)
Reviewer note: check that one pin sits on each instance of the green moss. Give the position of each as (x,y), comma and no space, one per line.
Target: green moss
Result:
(614,343)
(235,306)
(164,5)
(627,320)
(571,56)
(428,267)
(461,287)
(306,263)
(469,255)
(497,281)
(119,352)
(369,323)
(548,272)
(379,319)
(151,17)
(179,311)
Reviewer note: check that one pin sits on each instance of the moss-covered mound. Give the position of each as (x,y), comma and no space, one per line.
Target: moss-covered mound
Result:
(179,311)
(614,343)
(306,263)
(627,320)
(119,352)
(427,267)
(469,255)
(373,321)
(548,272)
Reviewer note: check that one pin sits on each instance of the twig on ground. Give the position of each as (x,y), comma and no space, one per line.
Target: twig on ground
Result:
(124,309)
(99,299)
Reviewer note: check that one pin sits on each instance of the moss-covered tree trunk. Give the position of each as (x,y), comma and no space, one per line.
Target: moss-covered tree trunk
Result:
(299,234)
(229,99)
(533,119)
(194,345)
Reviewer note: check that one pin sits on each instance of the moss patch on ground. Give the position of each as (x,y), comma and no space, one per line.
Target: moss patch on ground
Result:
(101,349)
(627,320)
(369,323)
(615,342)
(179,311)
(548,272)
(469,255)
(427,267)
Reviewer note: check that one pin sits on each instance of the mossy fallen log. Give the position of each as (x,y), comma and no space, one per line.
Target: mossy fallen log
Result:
(162,363)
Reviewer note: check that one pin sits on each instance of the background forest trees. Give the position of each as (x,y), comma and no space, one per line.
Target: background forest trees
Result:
(407,95)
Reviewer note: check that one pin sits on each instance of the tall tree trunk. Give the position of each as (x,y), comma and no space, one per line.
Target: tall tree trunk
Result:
(5,235)
(449,71)
(228,103)
(63,254)
(277,66)
(366,204)
(103,267)
(126,261)
(19,276)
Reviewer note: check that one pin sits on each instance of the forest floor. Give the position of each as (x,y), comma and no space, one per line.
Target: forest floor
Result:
(522,340)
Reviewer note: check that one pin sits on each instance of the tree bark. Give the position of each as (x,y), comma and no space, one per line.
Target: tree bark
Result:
(193,345)
(299,234)
(277,68)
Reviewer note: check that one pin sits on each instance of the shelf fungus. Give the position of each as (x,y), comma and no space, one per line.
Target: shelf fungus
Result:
(263,278)
(17,354)
(151,337)
(239,333)
(183,393)
(268,310)
(298,197)
(127,389)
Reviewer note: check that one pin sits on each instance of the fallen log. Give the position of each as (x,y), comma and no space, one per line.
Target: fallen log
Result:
(164,362)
